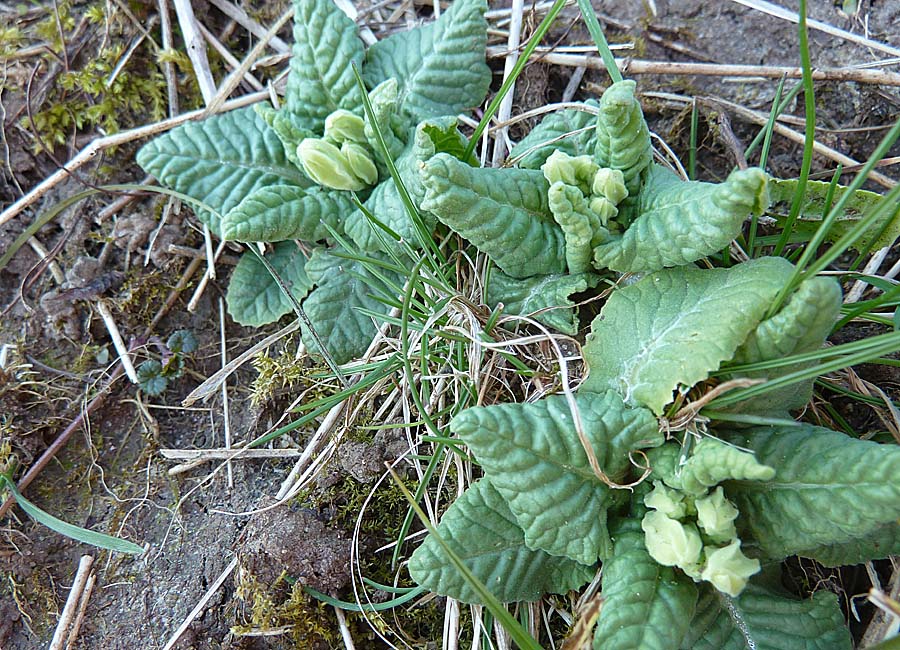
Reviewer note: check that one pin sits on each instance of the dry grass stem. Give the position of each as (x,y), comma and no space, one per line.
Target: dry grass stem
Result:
(501,136)
(201,605)
(70,610)
(82,609)
(196,48)
(226,416)
(118,342)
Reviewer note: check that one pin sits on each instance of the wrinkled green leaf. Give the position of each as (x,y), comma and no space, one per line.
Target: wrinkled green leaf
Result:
(760,619)
(532,455)
(503,212)
(321,78)
(278,212)
(440,66)
(678,222)
(882,233)
(384,100)
(802,325)
(711,462)
(828,488)
(220,161)
(877,545)
(623,139)
(483,532)
(645,606)
(528,295)
(542,140)
(675,326)
(343,287)
(254,297)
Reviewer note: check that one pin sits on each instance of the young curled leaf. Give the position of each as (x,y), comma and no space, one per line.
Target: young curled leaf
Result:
(678,222)
(711,463)
(483,532)
(504,212)
(623,139)
(802,325)
(675,326)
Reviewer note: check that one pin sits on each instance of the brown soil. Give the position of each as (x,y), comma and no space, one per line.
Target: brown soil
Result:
(111,475)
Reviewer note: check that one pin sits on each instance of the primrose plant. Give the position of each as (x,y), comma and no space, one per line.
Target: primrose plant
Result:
(689,516)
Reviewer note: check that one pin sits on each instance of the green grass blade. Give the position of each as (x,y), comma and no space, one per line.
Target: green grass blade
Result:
(593,25)
(407,596)
(72,531)
(513,75)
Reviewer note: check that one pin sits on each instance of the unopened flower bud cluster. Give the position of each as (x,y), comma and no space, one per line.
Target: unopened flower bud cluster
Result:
(697,535)
(603,188)
(341,159)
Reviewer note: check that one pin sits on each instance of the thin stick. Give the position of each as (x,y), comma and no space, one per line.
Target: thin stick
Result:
(225,414)
(71,606)
(196,49)
(640,66)
(792,16)
(200,606)
(226,54)
(211,258)
(875,262)
(89,152)
(165,26)
(345,630)
(118,342)
(505,110)
(82,608)
(227,453)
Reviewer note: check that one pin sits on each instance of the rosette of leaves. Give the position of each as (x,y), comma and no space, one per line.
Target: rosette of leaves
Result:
(592,202)
(279,175)
(682,552)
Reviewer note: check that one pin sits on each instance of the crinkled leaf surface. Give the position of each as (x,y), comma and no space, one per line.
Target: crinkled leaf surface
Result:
(802,325)
(480,528)
(542,141)
(675,326)
(760,619)
(321,78)
(582,228)
(678,222)
(623,140)
(440,66)
(710,463)
(532,455)
(828,488)
(220,161)
(527,295)
(343,287)
(645,606)
(279,212)
(877,545)
(882,233)
(504,212)
(254,296)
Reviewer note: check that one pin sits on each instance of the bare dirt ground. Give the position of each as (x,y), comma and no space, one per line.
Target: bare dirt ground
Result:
(112,474)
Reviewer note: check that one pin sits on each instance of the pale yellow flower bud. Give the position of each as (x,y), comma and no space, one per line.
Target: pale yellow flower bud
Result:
(360,162)
(326,165)
(609,183)
(670,542)
(343,126)
(666,500)
(716,515)
(728,569)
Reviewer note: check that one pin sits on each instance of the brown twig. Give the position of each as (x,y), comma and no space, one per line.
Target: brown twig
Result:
(70,609)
